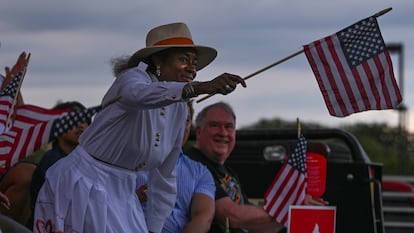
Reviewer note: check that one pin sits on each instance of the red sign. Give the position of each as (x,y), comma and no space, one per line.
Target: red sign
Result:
(312,219)
(316,174)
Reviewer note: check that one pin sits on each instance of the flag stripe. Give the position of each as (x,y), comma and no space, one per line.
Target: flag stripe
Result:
(387,100)
(293,194)
(289,185)
(326,46)
(298,197)
(341,80)
(272,200)
(384,82)
(329,71)
(375,95)
(32,129)
(278,181)
(391,83)
(310,54)
(360,88)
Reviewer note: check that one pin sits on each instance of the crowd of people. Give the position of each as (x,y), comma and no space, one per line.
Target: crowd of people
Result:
(125,170)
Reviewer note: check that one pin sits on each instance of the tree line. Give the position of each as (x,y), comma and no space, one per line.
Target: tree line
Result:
(384,144)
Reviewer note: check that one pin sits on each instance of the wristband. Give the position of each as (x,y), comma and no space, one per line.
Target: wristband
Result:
(188,90)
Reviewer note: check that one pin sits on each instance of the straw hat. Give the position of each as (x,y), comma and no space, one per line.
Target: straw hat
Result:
(174,35)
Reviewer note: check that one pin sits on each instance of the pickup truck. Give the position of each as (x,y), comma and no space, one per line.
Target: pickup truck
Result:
(398,203)
(353,182)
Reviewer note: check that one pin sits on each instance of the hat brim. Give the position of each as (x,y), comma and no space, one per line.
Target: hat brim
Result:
(205,55)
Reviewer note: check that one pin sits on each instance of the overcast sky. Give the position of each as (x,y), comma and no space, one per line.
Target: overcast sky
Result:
(71,44)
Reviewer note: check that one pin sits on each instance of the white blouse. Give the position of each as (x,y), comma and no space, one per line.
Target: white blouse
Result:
(143,130)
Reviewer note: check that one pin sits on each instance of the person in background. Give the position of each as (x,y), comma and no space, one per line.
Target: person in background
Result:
(61,147)
(93,188)
(193,211)
(215,130)
(15,184)
(10,74)
(22,181)
(11,191)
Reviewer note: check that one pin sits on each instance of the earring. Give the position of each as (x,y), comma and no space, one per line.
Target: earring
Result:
(158,71)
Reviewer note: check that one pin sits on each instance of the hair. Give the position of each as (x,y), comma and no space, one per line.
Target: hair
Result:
(72,105)
(122,63)
(202,114)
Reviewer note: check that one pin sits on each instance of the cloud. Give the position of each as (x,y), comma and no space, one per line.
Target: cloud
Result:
(72,43)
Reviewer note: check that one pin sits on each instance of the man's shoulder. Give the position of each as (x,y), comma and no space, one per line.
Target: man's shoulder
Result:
(190,161)
(193,165)
(50,157)
(194,154)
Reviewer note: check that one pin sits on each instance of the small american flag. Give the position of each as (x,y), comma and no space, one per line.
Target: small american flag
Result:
(7,97)
(289,185)
(354,70)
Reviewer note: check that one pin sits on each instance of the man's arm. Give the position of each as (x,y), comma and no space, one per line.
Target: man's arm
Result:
(202,214)
(16,185)
(250,217)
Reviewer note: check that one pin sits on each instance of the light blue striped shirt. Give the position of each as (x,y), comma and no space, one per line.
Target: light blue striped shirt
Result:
(192,177)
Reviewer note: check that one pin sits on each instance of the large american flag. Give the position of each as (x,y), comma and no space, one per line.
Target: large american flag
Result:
(289,185)
(71,120)
(29,132)
(354,70)
(34,127)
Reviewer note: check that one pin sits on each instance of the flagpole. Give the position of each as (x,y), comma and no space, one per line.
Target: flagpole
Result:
(17,94)
(111,101)
(227,225)
(298,127)
(382,12)
(261,70)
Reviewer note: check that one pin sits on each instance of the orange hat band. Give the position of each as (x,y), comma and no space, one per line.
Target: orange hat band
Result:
(175,41)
